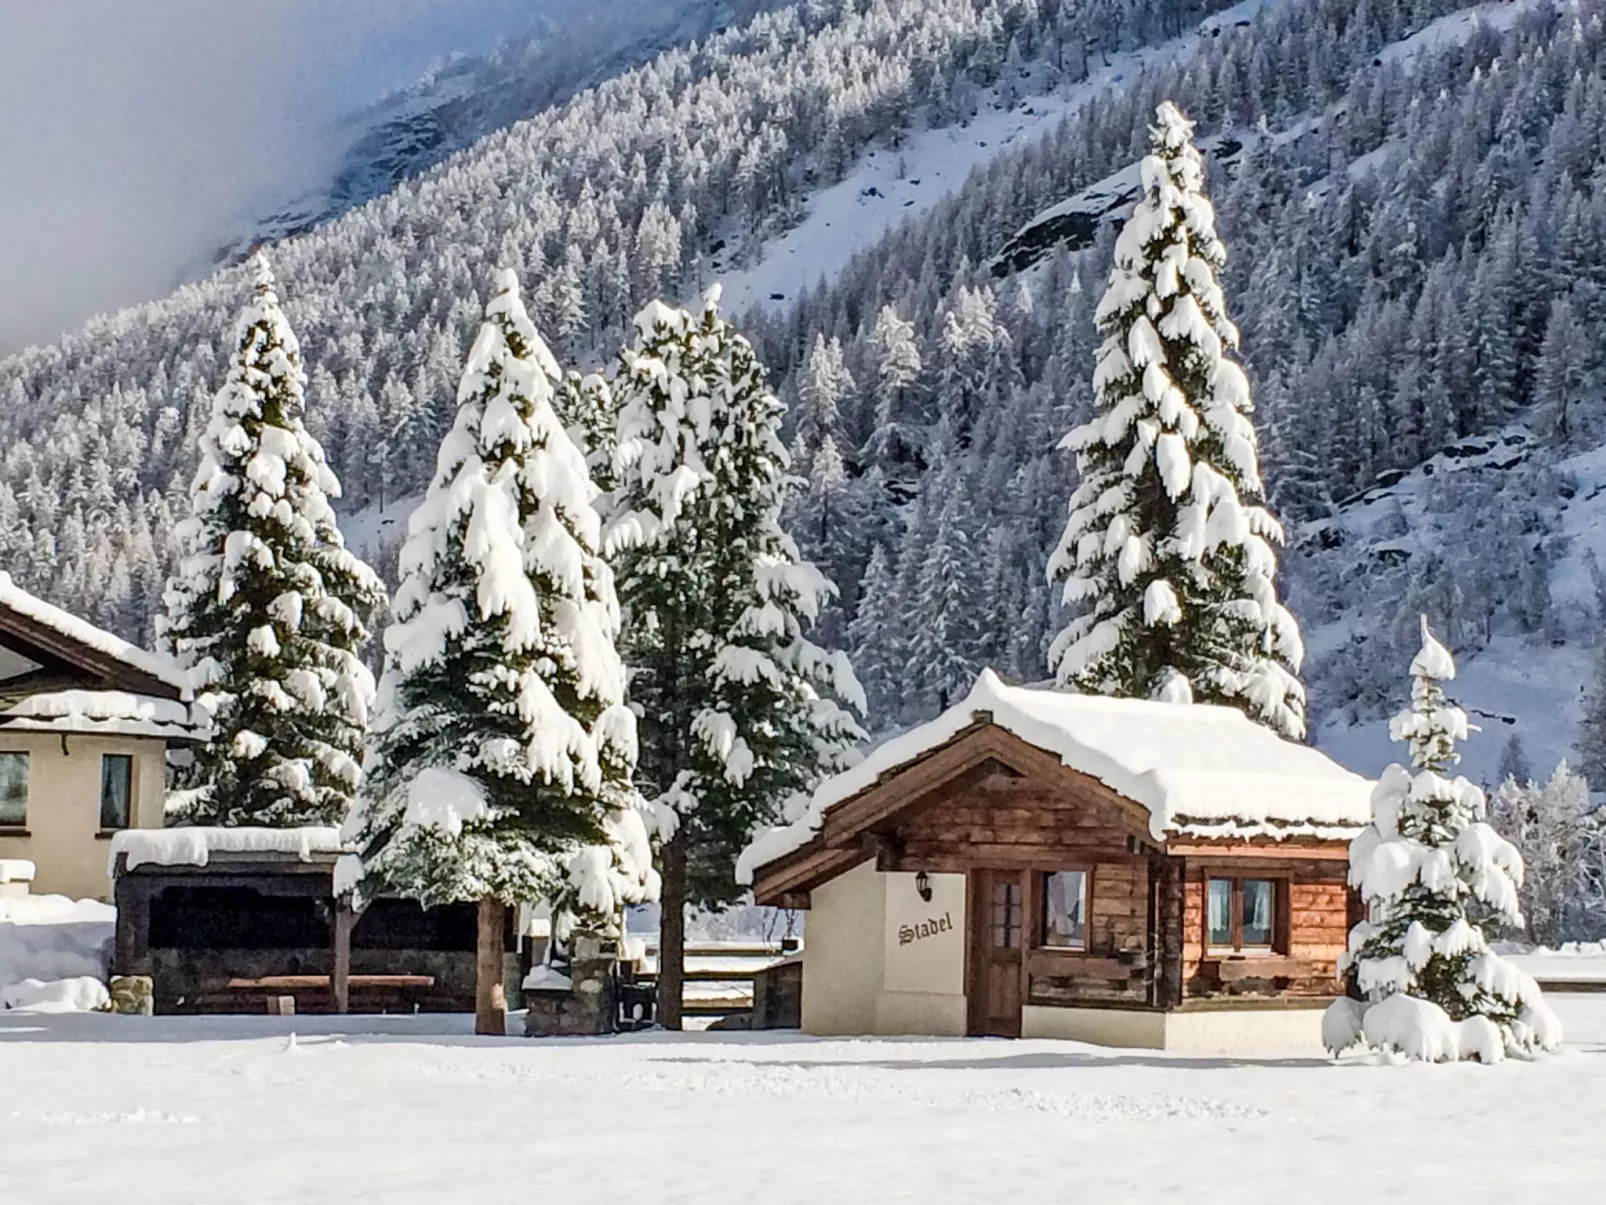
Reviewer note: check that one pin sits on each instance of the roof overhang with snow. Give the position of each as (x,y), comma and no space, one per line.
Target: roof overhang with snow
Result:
(1197,778)
(46,649)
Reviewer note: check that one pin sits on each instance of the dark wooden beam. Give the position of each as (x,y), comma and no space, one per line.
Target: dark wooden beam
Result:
(340,980)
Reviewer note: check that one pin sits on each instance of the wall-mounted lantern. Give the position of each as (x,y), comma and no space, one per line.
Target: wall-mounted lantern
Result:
(923,886)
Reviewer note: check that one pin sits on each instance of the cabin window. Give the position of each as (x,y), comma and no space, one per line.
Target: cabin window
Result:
(13,790)
(1241,914)
(1257,909)
(116,790)
(1065,910)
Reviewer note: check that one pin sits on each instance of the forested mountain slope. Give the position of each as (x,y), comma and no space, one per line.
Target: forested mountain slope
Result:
(575,44)
(1417,238)
(619,195)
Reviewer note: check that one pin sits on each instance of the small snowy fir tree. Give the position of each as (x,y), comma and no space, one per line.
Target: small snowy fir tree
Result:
(500,767)
(741,712)
(1435,878)
(268,607)
(1168,555)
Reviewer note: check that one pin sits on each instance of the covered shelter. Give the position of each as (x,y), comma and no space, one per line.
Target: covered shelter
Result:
(230,920)
(1034,863)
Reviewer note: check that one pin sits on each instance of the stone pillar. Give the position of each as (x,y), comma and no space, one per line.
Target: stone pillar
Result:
(583,1003)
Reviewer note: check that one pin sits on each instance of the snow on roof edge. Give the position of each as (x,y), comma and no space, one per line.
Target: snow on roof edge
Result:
(157,665)
(195,846)
(101,713)
(1201,770)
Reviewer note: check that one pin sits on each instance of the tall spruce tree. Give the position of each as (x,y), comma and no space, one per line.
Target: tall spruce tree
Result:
(740,712)
(1436,880)
(268,607)
(500,769)
(1168,554)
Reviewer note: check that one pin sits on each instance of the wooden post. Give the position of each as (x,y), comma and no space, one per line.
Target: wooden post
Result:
(672,934)
(340,980)
(1173,906)
(490,997)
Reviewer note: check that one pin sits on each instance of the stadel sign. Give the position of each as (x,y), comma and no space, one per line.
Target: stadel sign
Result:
(929,927)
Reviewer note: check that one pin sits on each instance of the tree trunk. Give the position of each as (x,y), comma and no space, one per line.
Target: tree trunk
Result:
(672,933)
(490,998)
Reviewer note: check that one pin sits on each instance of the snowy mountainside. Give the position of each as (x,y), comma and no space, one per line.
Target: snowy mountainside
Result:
(618,195)
(1074,223)
(902,182)
(1360,576)
(574,44)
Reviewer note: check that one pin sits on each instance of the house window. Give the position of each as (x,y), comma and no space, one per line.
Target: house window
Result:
(116,790)
(1241,914)
(1065,910)
(13,790)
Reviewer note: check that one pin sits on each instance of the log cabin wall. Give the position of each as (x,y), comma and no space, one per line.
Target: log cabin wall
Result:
(1311,912)
(1146,942)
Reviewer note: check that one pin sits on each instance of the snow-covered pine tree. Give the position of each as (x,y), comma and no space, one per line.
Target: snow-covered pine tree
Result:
(1168,553)
(1435,879)
(740,712)
(268,607)
(876,635)
(501,762)
(1551,827)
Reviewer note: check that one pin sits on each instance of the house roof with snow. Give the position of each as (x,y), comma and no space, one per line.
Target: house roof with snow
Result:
(1202,773)
(59,673)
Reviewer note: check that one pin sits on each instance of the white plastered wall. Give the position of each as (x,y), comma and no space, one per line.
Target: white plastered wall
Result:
(63,825)
(879,959)
(1216,1031)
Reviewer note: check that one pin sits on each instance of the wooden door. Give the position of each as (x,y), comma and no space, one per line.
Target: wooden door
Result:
(997,936)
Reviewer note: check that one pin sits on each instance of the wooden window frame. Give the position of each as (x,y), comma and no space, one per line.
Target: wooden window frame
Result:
(14,828)
(1018,930)
(128,760)
(1040,911)
(1280,928)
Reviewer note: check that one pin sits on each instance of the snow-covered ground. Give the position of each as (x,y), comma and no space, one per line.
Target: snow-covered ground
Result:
(52,938)
(416,1109)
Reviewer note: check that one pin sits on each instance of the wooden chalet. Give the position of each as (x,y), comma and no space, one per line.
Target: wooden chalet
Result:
(1040,864)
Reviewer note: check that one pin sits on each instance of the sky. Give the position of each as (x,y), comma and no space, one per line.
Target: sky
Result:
(136,136)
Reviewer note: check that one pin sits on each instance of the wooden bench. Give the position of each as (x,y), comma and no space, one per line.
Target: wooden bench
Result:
(280,991)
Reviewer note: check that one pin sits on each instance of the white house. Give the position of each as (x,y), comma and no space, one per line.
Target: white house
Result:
(86,719)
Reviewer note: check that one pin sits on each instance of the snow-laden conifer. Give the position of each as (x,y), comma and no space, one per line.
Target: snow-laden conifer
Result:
(1563,855)
(500,767)
(740,712)
(1436,879)
(1168,554)
(268,607)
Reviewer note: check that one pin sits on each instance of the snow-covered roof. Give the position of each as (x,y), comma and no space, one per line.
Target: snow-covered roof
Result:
(1201,771)
(195,846)
(17,870)
(158,666)
(102,713)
